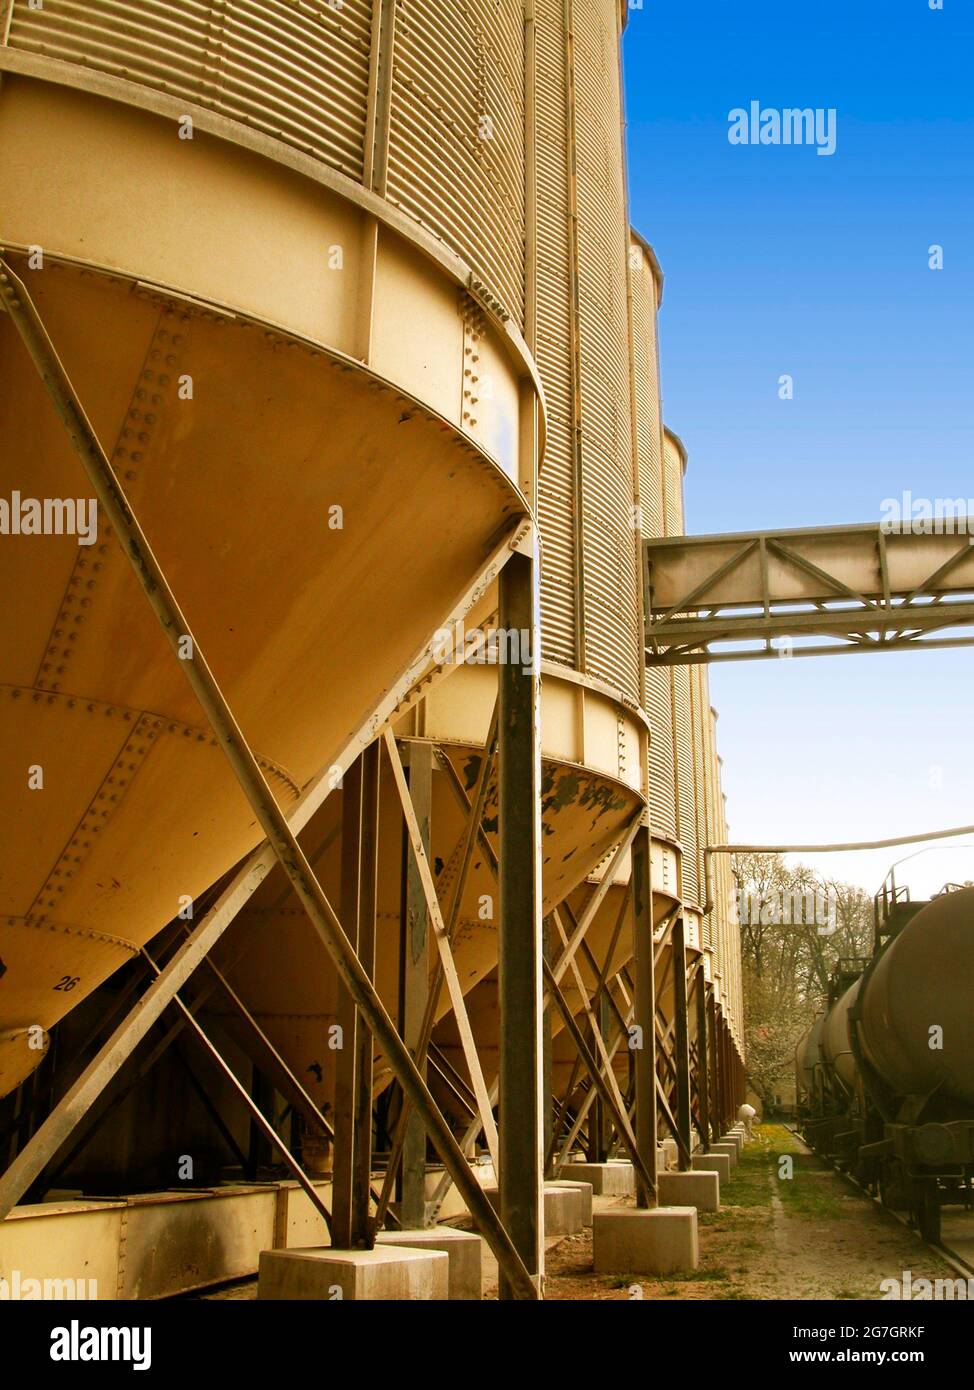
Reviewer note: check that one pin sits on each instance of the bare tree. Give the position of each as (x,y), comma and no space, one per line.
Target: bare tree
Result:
(787,957)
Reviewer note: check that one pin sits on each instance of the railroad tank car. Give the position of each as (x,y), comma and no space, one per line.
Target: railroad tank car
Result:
(275,264)
(886,1076)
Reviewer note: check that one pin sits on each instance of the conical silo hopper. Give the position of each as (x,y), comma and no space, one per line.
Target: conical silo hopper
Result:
(233,223)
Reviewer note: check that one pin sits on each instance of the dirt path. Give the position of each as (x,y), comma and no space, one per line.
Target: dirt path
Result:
(805,1236)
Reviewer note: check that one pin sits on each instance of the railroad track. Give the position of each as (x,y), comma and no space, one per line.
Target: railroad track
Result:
(954,1258)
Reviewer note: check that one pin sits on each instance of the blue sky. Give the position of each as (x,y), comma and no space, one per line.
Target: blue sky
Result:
(779,260)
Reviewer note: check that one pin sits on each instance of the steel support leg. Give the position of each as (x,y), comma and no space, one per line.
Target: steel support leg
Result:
(644,1014)
(519,935)
(547,1076)
(682,1043)
(415,986)
(714,1071)
(703,1054)
(347,1017)
(362,1231)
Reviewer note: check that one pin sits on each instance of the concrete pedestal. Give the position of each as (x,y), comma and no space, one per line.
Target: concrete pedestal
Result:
(659,1241)
(733,1138)
(563,1209)
(584,1189)
(607,1179)
(726,1148)
(464,1249)
(713,1163)
(671,1153)
(700,1190)
(324,1275)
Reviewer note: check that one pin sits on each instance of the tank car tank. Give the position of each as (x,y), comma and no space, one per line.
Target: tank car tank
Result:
(887,1075)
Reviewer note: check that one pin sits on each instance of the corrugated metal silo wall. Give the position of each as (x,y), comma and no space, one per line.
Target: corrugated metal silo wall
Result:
(300,73)
(260,63)
(649,455)
(587,489)
(681,676)
(457,150)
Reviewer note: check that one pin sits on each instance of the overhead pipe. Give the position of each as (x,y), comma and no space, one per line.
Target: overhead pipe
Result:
(820,849)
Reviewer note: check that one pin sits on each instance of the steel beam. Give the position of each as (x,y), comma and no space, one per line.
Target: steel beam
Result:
(353,1078)
(714,1068)
(455,989)
(519,934)
(345,1237)
(280,836)
(474,833)
(587,916)
(682,1042)
(414,993)
(703,1054)
(368,902)
(644,1014)
(603,1078)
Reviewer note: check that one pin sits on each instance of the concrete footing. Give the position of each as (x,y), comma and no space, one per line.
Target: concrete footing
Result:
(464,1249)
(563,1209)
(324,1275)
(733,1138)
(700,1190)
(584,1189)
(713,1163)
(727,1148)
(659,1241)
(671,1153)
(607,1179)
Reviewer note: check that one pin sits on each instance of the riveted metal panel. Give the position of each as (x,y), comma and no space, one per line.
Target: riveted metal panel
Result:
(610,573)
(296,71)
(456,154)
(553,347)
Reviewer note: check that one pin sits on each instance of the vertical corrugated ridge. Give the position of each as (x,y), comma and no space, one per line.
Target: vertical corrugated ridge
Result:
(456,156)
(553,349)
